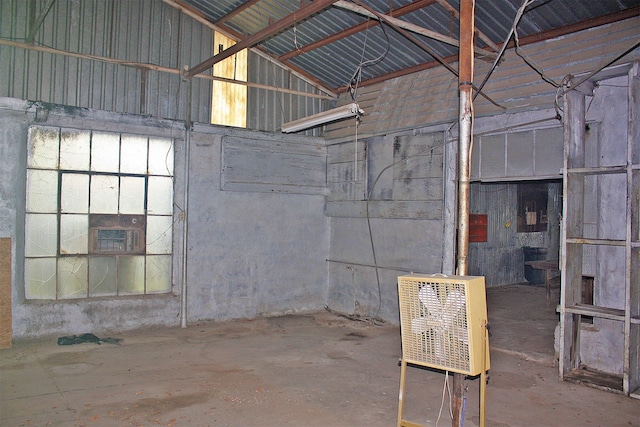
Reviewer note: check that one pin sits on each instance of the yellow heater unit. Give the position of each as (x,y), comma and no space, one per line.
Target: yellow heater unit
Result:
(443,324)
(443,321)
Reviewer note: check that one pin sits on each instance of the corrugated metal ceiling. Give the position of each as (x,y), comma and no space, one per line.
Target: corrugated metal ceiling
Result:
(328,49)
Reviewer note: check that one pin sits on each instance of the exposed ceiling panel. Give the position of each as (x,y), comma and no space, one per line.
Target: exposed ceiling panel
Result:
(331,45)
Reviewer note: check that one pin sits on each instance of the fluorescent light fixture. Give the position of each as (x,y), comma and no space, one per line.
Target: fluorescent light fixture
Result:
(343,112)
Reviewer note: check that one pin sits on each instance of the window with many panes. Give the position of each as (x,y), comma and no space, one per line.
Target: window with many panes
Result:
(99,214)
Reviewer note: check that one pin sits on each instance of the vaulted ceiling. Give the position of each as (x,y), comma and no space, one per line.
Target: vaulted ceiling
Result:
(336,43)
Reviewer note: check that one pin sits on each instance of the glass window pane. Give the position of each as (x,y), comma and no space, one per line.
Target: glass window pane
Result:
(160,156)
(42,191)
(72,277)
(131,275)
(42,150)
(74,197)
(40,278)
(158,274)
(159,234)
(105,152)
(104,194)
(103,277)
(134,154)
(41,235)
(131,195)
(74,149)
(160,195)
(74,234)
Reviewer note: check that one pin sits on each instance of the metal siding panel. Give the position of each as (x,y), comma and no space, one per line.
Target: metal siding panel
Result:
(500,259)
(548,151)
(143,31)
(268,109)
(492,152)
(519,153)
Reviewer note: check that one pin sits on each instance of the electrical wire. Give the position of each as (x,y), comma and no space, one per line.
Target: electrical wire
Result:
(356,78)
(516,20)
(445,390)
(518,50)
(596,71)
(529,62)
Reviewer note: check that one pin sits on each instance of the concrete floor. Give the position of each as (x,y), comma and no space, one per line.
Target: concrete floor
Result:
(309,370)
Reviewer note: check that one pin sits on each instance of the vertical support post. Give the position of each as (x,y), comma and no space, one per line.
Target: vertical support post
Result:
(185,228)
(6,331)
(403,380)
(631,367)
(465,81)
(143,91)
(573,227)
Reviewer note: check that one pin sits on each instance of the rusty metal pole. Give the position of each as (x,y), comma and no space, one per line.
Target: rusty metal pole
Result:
(465,81)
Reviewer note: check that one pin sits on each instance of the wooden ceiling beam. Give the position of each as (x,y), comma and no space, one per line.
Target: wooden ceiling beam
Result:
(534,38)
(252,40)
(404,25)
(412,7)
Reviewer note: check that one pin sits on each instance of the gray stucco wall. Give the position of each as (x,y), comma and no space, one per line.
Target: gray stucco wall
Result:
(404,175)
(252,253)
(249,253)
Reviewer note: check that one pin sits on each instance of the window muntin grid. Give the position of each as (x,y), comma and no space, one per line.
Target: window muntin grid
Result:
(76,175)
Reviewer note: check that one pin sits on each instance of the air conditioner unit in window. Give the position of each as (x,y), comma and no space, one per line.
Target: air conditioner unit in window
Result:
(443,325)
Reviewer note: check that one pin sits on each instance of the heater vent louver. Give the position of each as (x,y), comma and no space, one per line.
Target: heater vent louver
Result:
(443,322)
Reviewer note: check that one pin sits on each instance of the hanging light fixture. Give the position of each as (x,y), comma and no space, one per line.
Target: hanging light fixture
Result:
(349,110)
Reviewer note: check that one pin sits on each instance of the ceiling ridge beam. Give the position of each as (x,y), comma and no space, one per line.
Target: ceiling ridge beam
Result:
(407,26)
(412,7)
(252,40)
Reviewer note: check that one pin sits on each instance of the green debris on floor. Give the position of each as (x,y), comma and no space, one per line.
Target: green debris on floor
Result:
(91,338)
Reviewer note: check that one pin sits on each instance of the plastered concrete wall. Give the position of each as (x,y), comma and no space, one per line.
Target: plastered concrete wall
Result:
(407,228)
(39,318)
(249,254)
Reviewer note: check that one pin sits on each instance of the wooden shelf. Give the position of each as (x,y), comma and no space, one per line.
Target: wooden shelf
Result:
(596,379)
(596,311)
(605,242)
(602,170)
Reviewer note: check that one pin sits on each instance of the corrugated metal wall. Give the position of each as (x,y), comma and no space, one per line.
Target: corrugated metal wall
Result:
(145,31)
(269,109)
(500,259)
(431,96)
(141,31)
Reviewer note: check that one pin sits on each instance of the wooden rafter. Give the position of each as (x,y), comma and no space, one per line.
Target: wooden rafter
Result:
(534,38)
(416,29)
(412,7)
(247,42)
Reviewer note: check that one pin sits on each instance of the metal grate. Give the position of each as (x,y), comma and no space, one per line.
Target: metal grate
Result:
(116,241)
(440,327)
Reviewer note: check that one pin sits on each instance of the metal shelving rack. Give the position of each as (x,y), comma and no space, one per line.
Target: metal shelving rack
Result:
(574,242)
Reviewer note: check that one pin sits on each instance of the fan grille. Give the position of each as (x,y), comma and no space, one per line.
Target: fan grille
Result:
(435,321)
